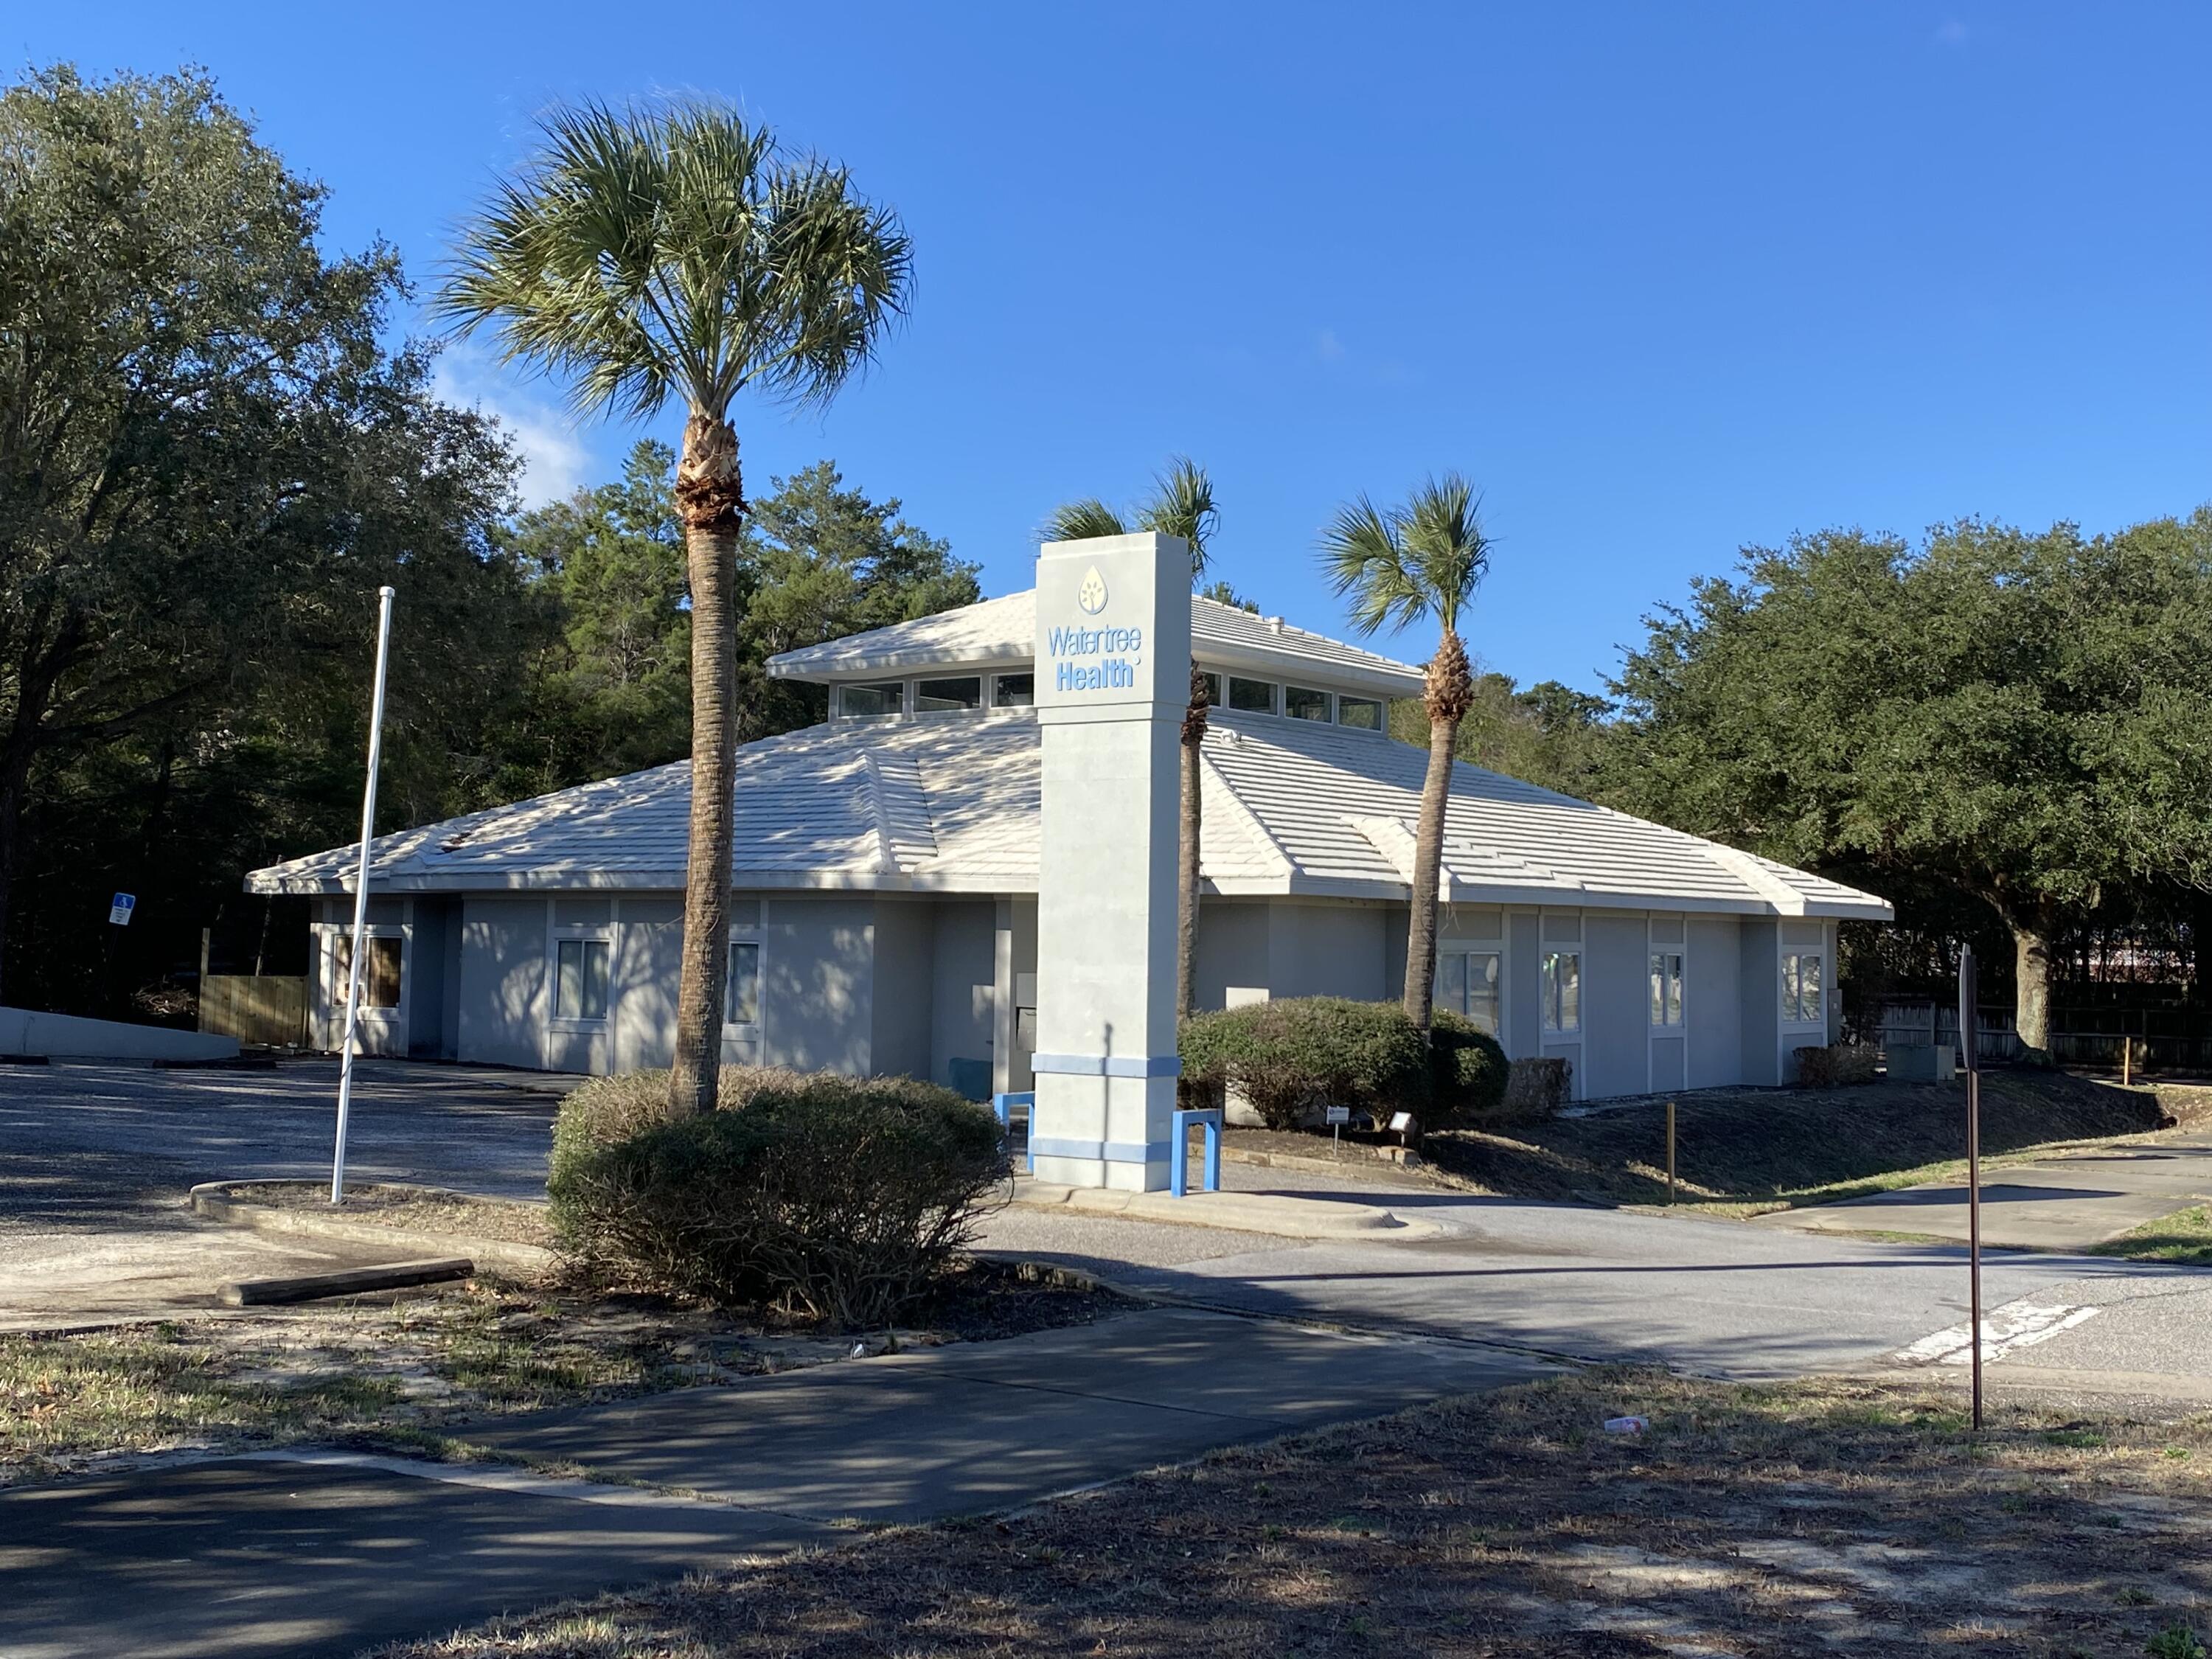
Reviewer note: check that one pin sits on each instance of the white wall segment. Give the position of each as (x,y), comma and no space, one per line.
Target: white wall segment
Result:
(1113,655)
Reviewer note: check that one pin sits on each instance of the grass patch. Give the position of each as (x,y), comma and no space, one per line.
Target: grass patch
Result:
(1754,1520)
(410,1372)
(1743,1151)
(2184,1236)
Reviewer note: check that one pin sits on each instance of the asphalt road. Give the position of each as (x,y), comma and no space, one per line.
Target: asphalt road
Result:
(94,1146)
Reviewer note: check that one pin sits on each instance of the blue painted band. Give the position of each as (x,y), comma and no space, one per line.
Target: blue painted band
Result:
(1128,1151)
(1106,1065)
(1106,1152)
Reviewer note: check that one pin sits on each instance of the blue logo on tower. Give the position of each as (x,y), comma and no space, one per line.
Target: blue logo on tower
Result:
(1105,658)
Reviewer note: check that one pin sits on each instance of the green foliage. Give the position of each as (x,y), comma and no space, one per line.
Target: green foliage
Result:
(211,463)
(1181,504)
(1397,565)
(838,1197)
(1468,1071)
(1550,734)
(673,250)
(1290,1055)
(2025,717)
(820,560)
(1221,592)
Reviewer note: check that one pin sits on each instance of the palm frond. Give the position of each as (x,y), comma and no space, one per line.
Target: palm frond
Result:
(673,250)
(1182,504)
(1396,565)
(1078,521)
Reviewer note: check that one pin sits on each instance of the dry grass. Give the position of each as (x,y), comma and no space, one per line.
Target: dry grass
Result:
(1849,1517)
(1742,1151)
(423,1209)
(415,1370)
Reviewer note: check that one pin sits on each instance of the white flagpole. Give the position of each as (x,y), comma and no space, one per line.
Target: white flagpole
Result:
(361,896)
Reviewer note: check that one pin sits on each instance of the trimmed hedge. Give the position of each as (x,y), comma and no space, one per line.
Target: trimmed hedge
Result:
(1469,1071)
(835,1196)
(1836,1065)
(1294,1054)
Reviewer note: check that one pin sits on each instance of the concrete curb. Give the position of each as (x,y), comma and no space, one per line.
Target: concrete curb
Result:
(215,1200)
(1281,1216)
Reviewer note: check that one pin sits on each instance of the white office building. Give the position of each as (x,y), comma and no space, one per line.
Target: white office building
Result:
(885,884)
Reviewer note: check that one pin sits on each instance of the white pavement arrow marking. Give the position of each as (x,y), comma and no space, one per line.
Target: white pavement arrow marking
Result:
(2015,1325)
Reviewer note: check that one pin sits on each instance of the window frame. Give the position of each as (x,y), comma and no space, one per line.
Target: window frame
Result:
(997,688)
(1382,712)
(1667,969)
(846,687)
(1793,987)
(1551,991)
(745,1030)
(341,957)
(1274,695)
(1327,715)
(583,935)
(921,690)
(1466,954)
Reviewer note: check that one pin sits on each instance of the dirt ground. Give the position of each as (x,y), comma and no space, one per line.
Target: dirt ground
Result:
(1853,1518)
(413,1369)
(425,1209)
(1742,1151)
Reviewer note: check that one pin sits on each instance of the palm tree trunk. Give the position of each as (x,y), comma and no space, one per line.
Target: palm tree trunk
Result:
(710,500)
(1449,688)
(1193,735)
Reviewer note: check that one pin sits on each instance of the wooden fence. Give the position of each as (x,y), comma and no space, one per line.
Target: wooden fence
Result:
(2165,1039)
(264,1009)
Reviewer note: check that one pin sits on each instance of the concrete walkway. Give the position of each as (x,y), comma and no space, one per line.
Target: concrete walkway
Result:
(2069,1202)
(284,1554)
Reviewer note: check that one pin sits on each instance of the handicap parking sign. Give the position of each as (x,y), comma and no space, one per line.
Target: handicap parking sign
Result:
(119,909)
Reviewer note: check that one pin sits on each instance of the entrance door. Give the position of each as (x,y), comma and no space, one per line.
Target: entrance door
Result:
(383,1017)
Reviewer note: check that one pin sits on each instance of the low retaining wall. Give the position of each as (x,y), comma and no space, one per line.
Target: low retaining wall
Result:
(66,1037)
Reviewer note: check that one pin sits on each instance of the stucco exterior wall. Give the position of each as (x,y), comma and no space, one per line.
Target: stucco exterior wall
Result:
(503,1002)
(1712,997)
(1616,1005)
(1320,948)
(963,984)
(818,982)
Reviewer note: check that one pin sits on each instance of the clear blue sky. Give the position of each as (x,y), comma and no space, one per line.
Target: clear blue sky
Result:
(1666,279)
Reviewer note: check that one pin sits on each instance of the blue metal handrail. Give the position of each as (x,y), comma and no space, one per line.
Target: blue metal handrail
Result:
(1002,1106)
(1179,1151)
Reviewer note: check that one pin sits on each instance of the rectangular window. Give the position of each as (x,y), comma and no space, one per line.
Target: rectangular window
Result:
(1251,696)
(883,697)
(1212,688)
(935,696)
(1466,983)
(380,976)
(1666,987)
(1561,989)
(579,978)
(743,1006)
(1013,691)
(1801,989)
(1363,713)
(1303,704)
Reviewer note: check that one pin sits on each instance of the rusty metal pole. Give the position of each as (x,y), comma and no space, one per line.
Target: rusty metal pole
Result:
(1970,1046)
(1670,1151)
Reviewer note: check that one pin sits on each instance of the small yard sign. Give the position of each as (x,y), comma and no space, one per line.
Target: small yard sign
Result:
(120,906)
(1339,1115)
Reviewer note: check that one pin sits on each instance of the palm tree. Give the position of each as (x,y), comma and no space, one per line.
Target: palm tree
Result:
(1396,565)
(1181,504)
(672,250)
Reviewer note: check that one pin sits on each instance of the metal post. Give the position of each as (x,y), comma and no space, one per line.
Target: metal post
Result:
(360,895)
(1969,1002)
(1670,1151)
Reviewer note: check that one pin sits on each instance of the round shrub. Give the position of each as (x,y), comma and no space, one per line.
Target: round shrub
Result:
(834,1196)
(1291,1055)
(1468,1071)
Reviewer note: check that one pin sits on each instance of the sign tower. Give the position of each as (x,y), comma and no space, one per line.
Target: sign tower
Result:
(1112,661)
